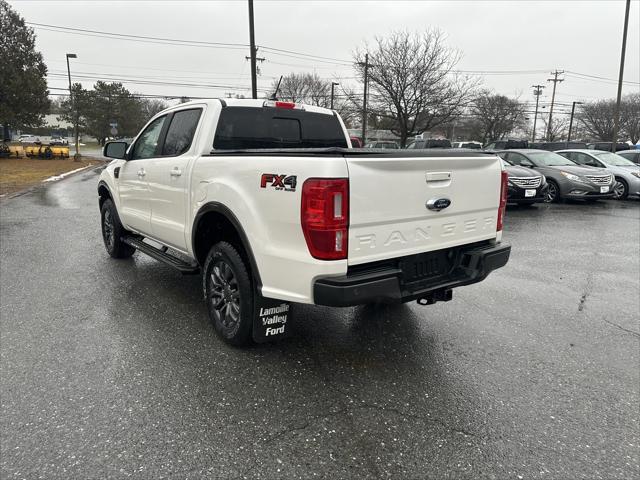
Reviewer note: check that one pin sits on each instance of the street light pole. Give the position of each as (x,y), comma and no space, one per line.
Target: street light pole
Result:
(616,118)
(364,99)
(333,84)
(573,109)
(73,101)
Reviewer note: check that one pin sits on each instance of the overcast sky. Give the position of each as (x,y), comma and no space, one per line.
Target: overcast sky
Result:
(529,39)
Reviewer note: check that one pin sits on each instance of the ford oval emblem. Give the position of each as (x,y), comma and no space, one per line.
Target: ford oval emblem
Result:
(438,204)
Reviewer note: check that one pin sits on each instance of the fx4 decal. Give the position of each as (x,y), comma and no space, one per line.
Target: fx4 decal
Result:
(279,182)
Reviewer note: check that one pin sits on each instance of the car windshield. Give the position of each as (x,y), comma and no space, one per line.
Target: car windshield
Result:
(613,159)
(505,163)
(549,159)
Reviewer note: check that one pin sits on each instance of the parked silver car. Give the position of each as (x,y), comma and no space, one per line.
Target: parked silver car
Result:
(626,172)
(633,155)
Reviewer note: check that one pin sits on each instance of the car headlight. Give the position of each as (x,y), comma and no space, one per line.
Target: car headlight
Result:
(636,174)
(571,176)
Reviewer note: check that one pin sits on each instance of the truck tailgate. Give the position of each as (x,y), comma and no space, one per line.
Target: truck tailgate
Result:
(388,197)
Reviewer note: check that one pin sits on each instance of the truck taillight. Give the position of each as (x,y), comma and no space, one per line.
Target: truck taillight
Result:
(284,105)
(503,199)
(325,217)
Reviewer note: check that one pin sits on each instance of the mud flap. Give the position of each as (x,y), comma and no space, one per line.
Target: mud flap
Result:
(271,319)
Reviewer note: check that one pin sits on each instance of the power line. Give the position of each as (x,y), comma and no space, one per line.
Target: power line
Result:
(595,77)
(126,36)
(160,83)
(279,51)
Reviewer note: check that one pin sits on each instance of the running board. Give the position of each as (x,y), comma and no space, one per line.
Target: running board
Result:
(180,265)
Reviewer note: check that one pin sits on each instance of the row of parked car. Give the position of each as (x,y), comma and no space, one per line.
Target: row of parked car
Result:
(583,174)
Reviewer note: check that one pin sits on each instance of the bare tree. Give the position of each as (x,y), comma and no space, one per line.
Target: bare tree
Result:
(597,119)
(412,81)
(150,106)
(630,117)
(559,128)
(306,88)
(496,116)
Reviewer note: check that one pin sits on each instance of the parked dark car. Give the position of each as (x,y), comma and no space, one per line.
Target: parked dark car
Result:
(429,143)
(387,145)
(554,146)
(526,186)
(506,145)
(633,155)
(565,179)
(606,146)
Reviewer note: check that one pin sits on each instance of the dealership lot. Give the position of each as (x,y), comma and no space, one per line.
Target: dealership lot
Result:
(110,368)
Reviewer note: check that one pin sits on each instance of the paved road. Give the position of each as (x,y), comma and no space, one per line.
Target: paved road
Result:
(110,369)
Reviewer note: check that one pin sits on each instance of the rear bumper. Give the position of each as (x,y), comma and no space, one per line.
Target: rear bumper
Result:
(468,264)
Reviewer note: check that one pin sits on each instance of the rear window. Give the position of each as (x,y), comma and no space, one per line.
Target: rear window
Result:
(254,128)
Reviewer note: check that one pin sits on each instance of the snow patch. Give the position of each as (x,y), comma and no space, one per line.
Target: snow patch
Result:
(62,175)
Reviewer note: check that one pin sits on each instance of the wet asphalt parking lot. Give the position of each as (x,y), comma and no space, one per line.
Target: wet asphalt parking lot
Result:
(110,368)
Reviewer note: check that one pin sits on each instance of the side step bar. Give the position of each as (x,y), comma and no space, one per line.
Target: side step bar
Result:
(180,265)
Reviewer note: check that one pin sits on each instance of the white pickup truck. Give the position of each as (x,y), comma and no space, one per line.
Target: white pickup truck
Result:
(271,204)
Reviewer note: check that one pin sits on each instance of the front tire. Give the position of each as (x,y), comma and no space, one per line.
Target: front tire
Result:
(620,189)
(553,192)
(112,232)
(229,294)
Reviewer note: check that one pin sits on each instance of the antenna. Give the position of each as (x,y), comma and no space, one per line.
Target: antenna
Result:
(275,94)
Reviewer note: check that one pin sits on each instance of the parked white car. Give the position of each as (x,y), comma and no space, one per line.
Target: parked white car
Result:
(468,144)
(28,139)
(270,203)
(627,173)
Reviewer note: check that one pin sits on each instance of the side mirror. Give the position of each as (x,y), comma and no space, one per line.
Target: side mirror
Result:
(116,150)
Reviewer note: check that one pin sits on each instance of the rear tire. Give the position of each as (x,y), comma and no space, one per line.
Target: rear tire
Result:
(229,294)
(113,231)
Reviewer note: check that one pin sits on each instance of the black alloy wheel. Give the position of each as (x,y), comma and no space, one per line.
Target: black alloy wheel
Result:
(553,193)
(224,296)
(229,294)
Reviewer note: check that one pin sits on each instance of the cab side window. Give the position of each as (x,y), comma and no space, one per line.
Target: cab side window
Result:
(181,131)
(147,143)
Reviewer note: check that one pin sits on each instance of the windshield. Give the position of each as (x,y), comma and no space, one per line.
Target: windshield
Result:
(613,159)
(548,159)
(505,163)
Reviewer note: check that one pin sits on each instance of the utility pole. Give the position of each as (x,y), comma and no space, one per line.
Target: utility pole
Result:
(616,118)
(537,92)
(333,84)
(364,100)
(573,109)
(252,46)
(74,106)
(555,81)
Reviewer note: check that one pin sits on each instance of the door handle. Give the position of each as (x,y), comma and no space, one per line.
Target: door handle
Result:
(176,172)
(141,172)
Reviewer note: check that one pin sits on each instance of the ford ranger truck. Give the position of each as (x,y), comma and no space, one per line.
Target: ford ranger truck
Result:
(269,202)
